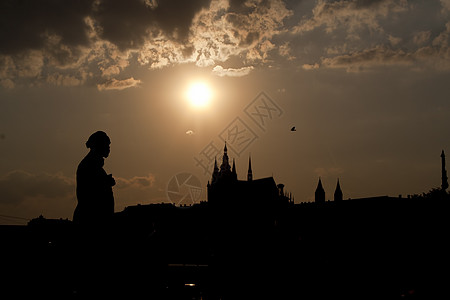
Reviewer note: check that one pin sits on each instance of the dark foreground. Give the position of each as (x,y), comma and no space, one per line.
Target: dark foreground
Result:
(387,248)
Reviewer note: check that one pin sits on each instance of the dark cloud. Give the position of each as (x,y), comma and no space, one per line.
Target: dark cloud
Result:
(76,42)
(26,24)
(128,24)
(367,3)
(18,185)
(123,23)
(175,16)
(377,56)
(91,42)
(28,194)
(361,35)
(72,43)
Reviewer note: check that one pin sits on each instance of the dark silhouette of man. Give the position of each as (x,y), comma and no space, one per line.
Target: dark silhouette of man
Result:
(94,186)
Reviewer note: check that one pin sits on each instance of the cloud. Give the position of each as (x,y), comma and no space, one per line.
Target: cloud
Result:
(363,35)
(310,67)
(115,84)
(350,15)
(19,185)
(445,5)
(286,51)
(27,195)
(94,42)
(379,55)
(7,83)
(230,72)
(63,80)
(90,41)
(137,190)
(436,56)
(421,37)
(127,24)
(394,41)
(26,24)
(135,182)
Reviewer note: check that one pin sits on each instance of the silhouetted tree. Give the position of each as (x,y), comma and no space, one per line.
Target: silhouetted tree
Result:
(432,194)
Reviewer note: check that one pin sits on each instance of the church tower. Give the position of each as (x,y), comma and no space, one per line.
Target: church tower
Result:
(223,178)
(320,193)
(215,174)
(444,184)
(233,171)
(225,172)
(225,193)
(250,172)
(225,168)
(338,196)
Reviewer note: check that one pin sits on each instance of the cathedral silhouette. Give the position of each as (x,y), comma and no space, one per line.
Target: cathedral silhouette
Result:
(225,189)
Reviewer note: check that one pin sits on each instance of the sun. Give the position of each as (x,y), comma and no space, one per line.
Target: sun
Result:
(199,94)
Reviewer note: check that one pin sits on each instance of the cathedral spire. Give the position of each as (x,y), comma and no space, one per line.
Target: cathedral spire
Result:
(250,172)
(320,193)
(225,168)
(215,173)
(338,196)
(444,178)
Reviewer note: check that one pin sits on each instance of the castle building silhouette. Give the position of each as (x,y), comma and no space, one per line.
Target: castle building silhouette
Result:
(225,189)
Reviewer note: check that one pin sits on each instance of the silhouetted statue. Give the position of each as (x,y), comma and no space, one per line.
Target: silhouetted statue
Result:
(94,186)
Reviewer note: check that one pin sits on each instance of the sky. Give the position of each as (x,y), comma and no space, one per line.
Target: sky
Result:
(365,83)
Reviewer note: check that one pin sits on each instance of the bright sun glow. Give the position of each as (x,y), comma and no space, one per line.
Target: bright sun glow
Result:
(199,94)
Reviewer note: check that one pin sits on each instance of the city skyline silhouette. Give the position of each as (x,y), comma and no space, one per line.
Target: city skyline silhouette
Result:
(247,234)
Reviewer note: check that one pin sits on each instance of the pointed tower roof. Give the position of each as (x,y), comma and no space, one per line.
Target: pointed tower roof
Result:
(225,166)
(250,172)
(224,172)
(215,173)
(444,178)
(233,170)
(320,193)
(338,196)
(319,185)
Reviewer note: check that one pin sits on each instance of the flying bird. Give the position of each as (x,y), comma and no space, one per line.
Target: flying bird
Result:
(189,132)
(293,129)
